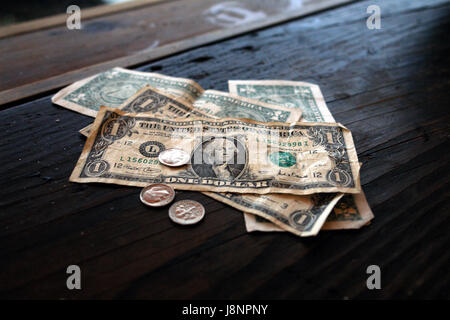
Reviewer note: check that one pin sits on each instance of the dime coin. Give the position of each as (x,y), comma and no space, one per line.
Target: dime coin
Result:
(186,212)
(174,157)
(157,195)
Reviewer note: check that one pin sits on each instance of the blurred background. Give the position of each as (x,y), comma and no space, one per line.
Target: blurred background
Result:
(12,13)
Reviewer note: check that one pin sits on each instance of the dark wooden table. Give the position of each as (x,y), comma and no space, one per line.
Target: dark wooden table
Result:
(389,86)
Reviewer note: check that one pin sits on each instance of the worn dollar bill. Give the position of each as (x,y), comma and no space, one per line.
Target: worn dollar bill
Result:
(221,104)
(305,214)
(292,94)
(113,87)
(224,105)
(352,211)
(227,155)
(301,215)
(210,103)
(158,103)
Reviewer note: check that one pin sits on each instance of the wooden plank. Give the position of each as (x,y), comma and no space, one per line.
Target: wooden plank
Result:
(60,19)
(385,85)
(131,38)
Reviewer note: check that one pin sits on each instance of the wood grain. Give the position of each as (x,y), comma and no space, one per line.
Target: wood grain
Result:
(60,19)
(389,86)
(131,38)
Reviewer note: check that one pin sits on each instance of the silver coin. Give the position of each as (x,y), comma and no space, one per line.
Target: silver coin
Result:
(186,212)
(174,157)
(157,195)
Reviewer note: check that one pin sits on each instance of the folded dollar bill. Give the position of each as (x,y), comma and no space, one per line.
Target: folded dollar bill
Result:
(228,155)
(214,104)
(113,87)
(301,215)
(158,103)
(292,94)
(352,211)
(210,103)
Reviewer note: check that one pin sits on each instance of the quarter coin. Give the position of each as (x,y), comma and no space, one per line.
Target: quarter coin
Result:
(174,157)
(157,195)
(186,212)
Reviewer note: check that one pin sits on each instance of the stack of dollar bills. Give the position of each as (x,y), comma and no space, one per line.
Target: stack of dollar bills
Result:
(269,148)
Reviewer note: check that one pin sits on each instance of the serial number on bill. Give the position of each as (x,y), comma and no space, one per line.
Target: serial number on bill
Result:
(227,310)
